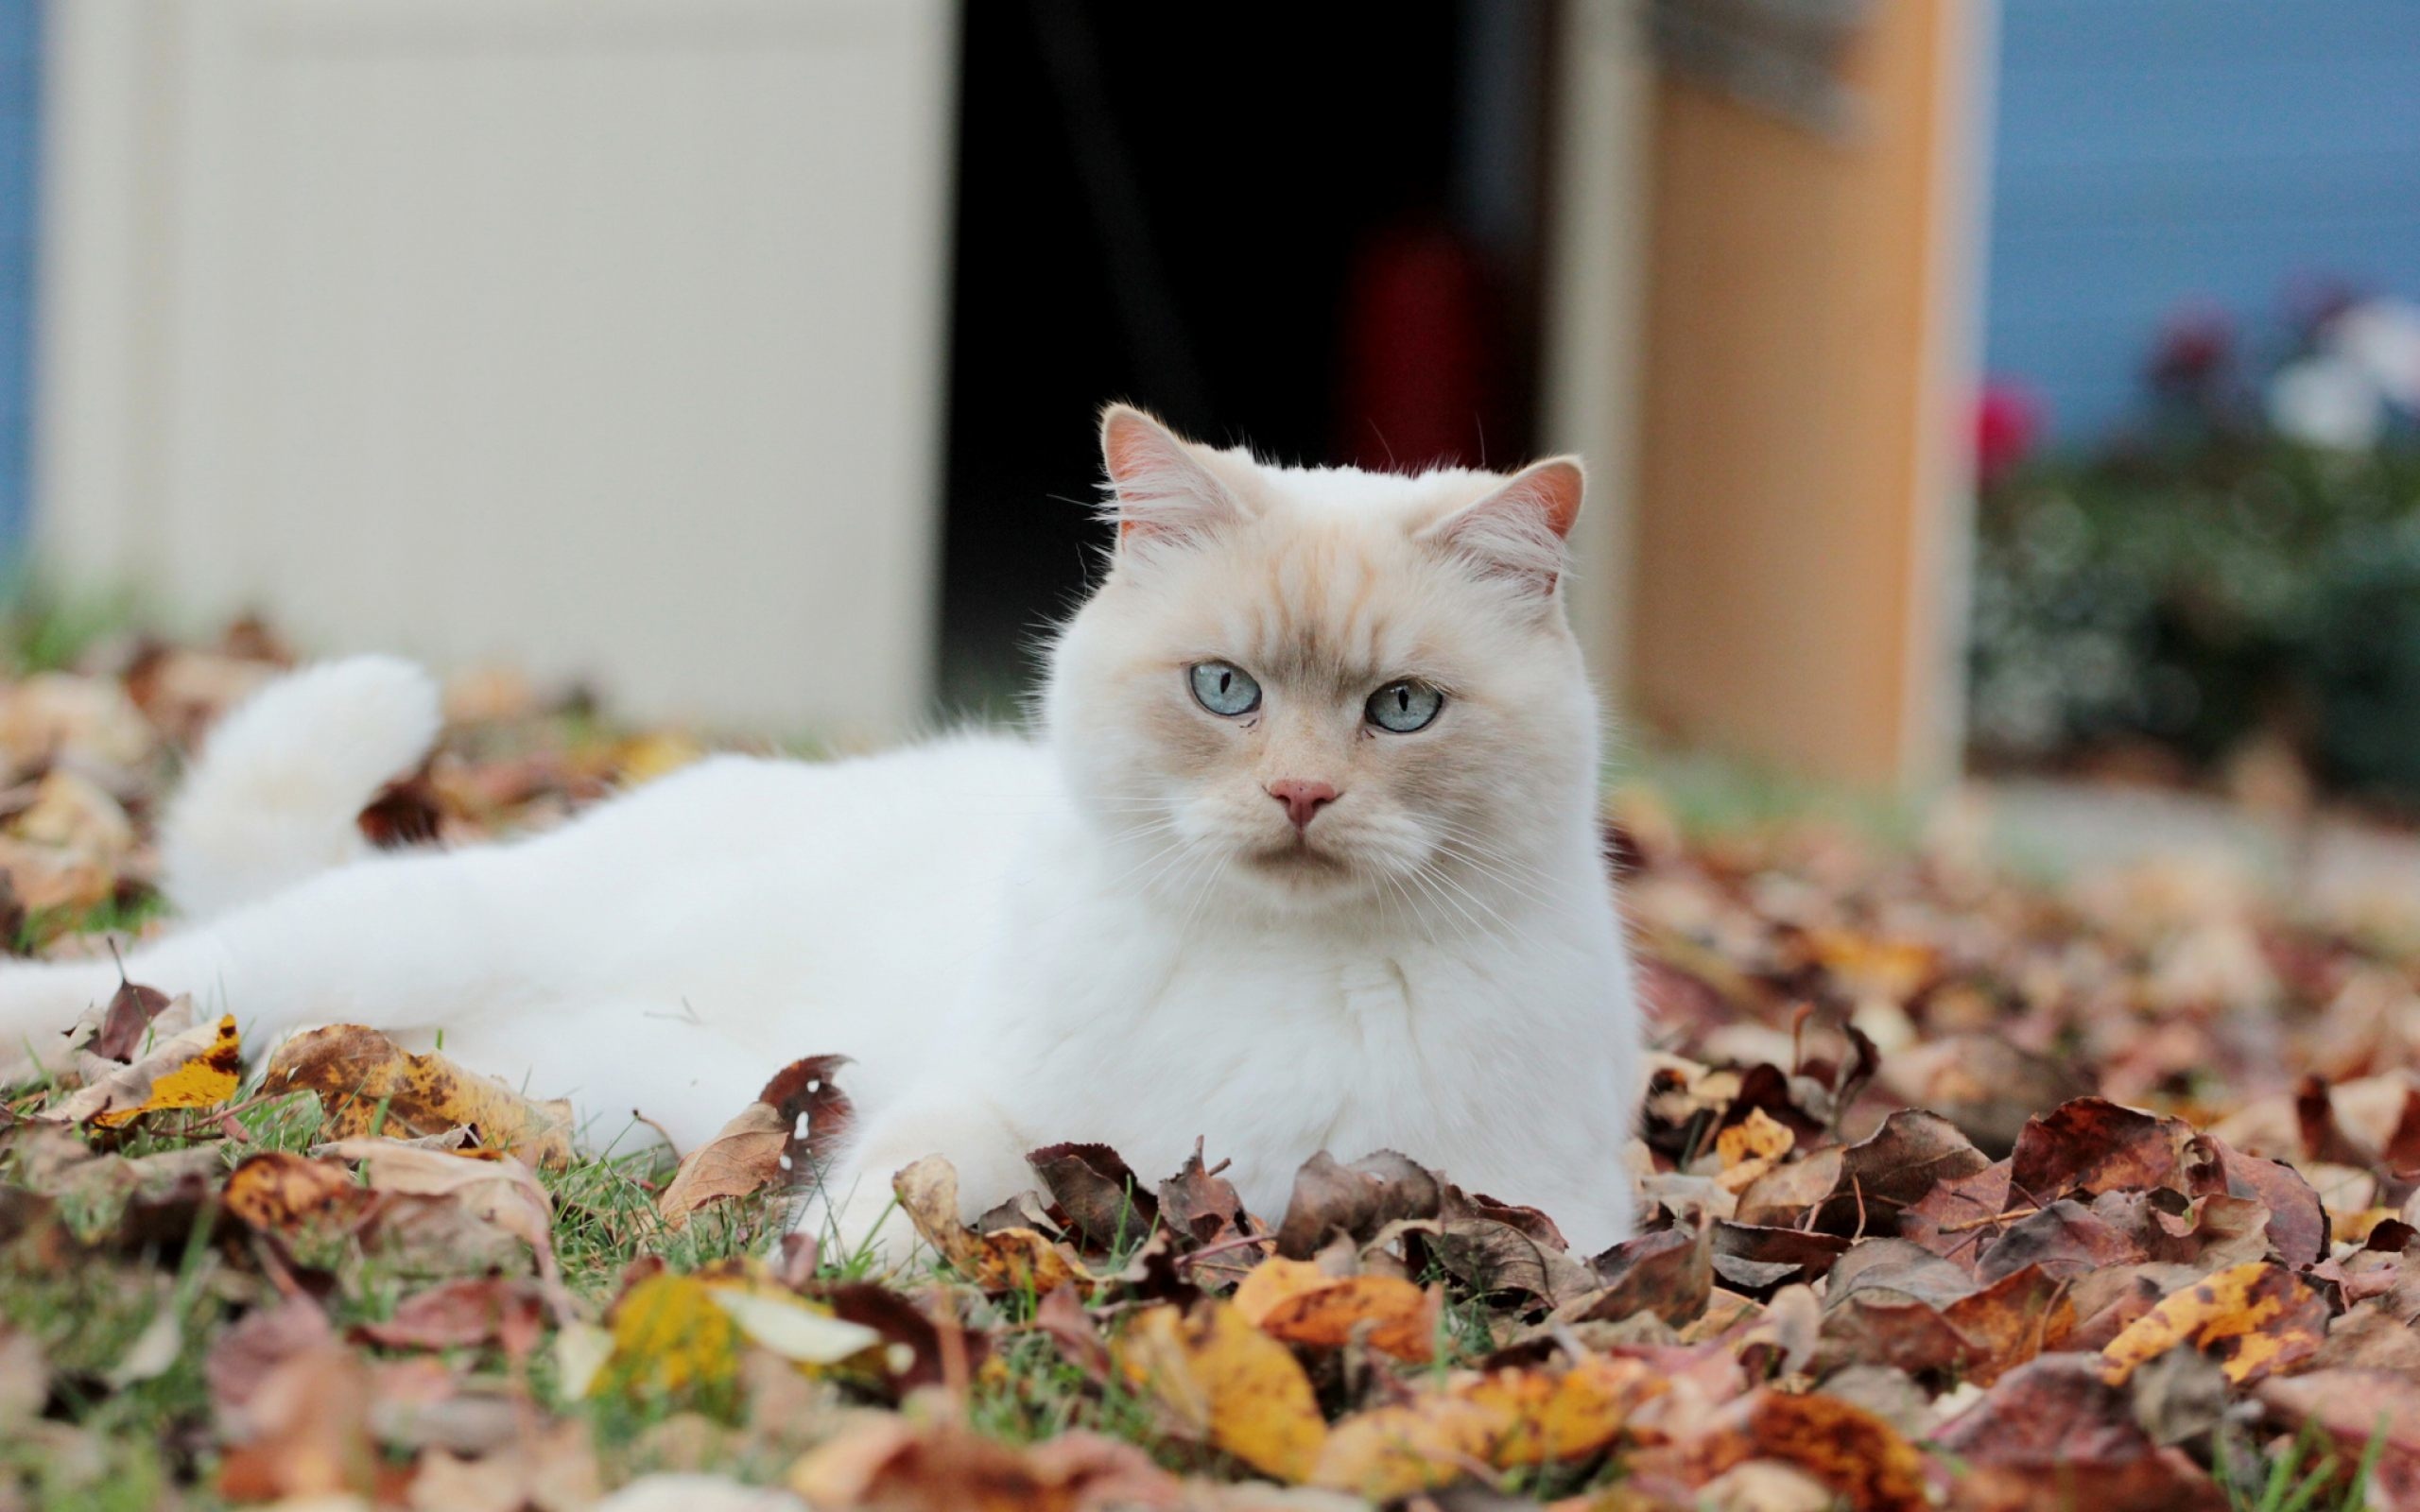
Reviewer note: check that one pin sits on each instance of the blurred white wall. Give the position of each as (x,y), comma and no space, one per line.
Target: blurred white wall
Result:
(601,335)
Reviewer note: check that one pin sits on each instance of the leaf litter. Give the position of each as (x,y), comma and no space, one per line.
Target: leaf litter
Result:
(1956,1191)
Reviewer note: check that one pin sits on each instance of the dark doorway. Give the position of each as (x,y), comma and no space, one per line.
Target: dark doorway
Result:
(1313,227)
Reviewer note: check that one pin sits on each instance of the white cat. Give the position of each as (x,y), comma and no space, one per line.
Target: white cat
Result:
(1306,856)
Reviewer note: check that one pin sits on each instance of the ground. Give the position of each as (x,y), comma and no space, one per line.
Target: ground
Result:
(2014,1153)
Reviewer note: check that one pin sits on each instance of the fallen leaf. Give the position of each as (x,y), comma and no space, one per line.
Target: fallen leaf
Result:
(1858,1456)
(671,1338)
(1099,1193)
(277,1190)
(794,1328)
(894,1464)
(743,1158)
(1758,1137)
(1200,1205)
(2054,1435)
(1229,1384)
(501,1190)
(1668,1273)
(1331,1199)
(310,1415)
(2093,1145)
(369,1085)
(464,1314)
(2255,1319)
(127,1021)
(198,1068)
(1007,1260)
(242,1357)
(1389,1453)
(1296,1302)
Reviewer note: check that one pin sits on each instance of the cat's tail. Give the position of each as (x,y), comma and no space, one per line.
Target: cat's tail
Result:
(278,789)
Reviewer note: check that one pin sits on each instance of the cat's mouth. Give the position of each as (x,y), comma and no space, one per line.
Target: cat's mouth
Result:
(1299,857)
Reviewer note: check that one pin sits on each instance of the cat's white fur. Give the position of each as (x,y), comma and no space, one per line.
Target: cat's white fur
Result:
(1110,931)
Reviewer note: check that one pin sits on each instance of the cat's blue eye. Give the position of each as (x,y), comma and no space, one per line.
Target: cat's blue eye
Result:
(1406,706)
(1224,688)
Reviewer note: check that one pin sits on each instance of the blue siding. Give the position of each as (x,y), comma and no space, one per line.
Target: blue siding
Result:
(2149,152)
(20,106)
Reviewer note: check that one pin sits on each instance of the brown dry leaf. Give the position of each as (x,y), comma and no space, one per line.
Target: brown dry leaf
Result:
(367,1083)
(2255,1319)
(744,1156)
(1669,1272)
(1228,1383)
(1331,1199)
(198,1068)
(1016,1259)
(1927,1317)
(1296,1302)
(2053,1436)
(1203,1207)
(2094,1145)
(310,1415)
(500,1190)
(463,1313)
(890,1462)
(1489,1255)
(1910,1154)
(1098,1191)
(73,815)
(552,1468)
(126,1023)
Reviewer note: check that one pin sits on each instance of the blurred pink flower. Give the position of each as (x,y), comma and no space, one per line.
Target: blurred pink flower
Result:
(2008,422)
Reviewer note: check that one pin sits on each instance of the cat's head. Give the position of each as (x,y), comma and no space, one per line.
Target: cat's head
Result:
(1311,688)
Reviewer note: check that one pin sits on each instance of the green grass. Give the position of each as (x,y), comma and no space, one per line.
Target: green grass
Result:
(1710,794)
(2305,1475)
(48,630)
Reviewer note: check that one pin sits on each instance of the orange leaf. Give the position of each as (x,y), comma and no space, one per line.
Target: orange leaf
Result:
(1296,1302)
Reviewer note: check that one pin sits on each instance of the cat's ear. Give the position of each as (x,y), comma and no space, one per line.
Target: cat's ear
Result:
(1516,532)
(1158,493)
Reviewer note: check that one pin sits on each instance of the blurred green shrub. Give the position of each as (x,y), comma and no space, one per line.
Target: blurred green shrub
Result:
(2196,591)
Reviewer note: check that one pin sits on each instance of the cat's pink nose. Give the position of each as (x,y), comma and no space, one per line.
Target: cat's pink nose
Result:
(1302,799)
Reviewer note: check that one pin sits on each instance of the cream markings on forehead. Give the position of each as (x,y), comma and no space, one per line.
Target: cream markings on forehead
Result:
(1336,660)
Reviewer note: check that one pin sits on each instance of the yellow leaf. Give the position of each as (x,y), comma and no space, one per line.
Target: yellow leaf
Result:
(198,1068)
(1271,1281)
(1228,1383)
(1500,1420)
(1758,1137)
(1568,1415)
(2254,1318)
(1389,1453)
(367,1083)
(670,1337)
(648,757)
